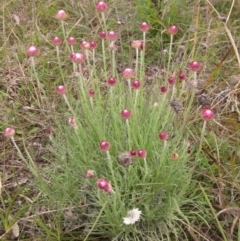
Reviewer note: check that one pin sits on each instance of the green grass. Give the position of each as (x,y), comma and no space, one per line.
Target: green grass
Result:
(44,190)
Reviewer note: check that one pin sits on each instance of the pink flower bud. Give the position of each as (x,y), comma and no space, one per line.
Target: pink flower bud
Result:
(171,80)
(9,132)
(174,156)
(128,73)
(126,114)
(163,136)
(133,153)
(163,89)
(144,27)
(173,30)
(142,153)
(61,15)
(90,173)
(91,93)
(195,66)
(72,122)
(182,76)
(78,58)
(136,44)
(48,132)
(111,81)
(93,45)
(143,46)
(32,51)
(108,187)
(136,84)
(71,41)
(56,41)
(84,44)
(103,35)
(104,145)
(207,114)
(103,184)
(112,36)
(71,56)
(61,90)
(101,6)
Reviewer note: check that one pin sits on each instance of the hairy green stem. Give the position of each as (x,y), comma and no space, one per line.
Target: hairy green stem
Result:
(112,171)
(136,63)
(129,134)
(98,217)
(169,54)
(113,63)
(104,57)
(142,58)
(59,63)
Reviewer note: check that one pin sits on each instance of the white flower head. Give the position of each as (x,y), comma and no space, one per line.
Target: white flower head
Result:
(132,216)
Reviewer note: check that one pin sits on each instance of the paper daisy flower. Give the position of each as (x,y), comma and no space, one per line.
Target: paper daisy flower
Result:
(132,216)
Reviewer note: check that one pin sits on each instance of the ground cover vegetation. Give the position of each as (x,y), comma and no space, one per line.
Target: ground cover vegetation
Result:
(119,120)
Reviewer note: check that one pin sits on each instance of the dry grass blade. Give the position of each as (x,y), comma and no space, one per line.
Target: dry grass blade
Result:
(215,161)
(235,211)
(232,163)
(15,230)
(210,78)
(230,210)
(227,29)
(0,185)
(222,231)
(235,222)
